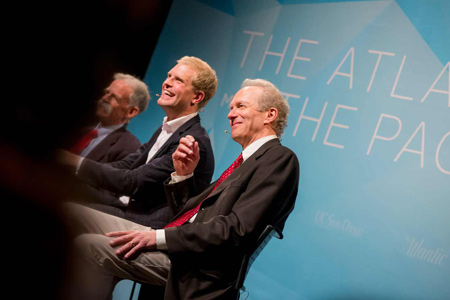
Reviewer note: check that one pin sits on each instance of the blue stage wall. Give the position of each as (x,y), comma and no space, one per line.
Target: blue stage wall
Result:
(369,88)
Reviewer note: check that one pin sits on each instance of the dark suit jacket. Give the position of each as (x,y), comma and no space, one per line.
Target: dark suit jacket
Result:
(115,146)
(142,181)
(206,254)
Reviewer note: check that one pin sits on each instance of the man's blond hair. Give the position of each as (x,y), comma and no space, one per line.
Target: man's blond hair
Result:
(205,79)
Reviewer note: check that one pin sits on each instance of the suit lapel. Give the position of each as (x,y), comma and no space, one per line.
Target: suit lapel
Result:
(99,151)
(207,196)
(249,163)
(143,158)
(175,137)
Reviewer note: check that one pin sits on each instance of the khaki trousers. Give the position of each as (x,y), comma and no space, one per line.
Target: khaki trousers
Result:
(95,267)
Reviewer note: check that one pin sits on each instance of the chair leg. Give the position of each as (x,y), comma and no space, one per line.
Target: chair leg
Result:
(132,290)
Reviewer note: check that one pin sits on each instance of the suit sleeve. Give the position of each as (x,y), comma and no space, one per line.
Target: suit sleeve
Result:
(128,161)
(268,195)
(119,178)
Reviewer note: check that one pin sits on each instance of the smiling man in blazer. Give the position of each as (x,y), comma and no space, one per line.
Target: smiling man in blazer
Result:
(132,188)
(201,249)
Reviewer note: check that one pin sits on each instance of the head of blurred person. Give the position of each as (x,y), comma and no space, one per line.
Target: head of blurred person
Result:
(123,99)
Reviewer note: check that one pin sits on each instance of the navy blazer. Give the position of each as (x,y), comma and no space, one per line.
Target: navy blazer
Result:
(142,181)
(206,254)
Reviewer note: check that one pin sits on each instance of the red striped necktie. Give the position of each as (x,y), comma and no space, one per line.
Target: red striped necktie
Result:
(84,141)
(190,213)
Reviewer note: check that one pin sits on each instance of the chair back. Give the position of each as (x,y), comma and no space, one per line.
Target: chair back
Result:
(253,253)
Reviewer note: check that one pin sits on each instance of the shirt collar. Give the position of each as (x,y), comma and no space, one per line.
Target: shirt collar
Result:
(173,125)
(105,130)
(253,147)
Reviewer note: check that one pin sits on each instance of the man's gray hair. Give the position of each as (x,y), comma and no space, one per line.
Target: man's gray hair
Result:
(271,97)
(140,95)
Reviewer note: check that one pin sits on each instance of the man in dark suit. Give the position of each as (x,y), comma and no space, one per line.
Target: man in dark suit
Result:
(109,141)
(137,180)
(202,248)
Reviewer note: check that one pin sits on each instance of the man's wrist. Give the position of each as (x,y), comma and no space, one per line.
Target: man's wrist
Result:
(177,178)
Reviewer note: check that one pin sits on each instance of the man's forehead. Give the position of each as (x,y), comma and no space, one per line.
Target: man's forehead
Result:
(185,69)
(120,86)
(247,94)
(118,83)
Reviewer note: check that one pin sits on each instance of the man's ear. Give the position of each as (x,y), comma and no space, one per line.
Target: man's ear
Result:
(132,112)
(198,98)
(272,114)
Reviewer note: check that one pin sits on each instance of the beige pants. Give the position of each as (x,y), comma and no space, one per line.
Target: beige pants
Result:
(96,268)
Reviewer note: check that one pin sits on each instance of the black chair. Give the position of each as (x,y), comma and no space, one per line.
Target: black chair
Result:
(252,254)
(148,291)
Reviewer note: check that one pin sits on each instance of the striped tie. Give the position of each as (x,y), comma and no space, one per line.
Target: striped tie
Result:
(190,213)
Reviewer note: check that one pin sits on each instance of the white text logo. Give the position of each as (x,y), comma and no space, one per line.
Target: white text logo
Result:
(346,226)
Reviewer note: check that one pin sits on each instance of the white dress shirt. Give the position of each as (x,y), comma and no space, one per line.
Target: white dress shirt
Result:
(168,128)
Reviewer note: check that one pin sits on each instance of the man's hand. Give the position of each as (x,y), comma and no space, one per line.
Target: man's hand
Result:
(186,157)
(133,241)
(67,158)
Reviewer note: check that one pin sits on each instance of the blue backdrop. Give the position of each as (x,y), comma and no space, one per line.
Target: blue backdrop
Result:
(369,88)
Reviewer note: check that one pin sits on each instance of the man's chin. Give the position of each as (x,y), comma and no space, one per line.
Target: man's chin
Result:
(163,102)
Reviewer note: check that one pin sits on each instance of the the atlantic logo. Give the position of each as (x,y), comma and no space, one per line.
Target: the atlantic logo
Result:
(417,250)
(345,226)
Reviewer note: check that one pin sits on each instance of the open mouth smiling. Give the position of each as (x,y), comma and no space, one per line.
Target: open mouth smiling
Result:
(167,93)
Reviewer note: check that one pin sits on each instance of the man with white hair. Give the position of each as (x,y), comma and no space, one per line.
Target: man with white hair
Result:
(201,249)
(109,141)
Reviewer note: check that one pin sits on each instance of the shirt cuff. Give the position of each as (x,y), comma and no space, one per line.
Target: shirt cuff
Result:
(78,165)
(161,239)
(125,199)
(177,178)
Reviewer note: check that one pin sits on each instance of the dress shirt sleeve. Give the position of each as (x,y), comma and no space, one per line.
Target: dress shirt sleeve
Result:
(78,165)
(178,178)
(161,239)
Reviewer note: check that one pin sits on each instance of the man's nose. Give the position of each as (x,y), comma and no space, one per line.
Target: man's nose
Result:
(167,82)
(105,98)
(231,114)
